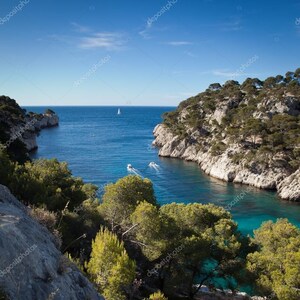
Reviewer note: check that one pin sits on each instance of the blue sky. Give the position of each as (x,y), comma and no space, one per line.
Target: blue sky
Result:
(134,52)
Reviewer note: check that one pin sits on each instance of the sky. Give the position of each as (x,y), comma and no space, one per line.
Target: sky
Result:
(140,52)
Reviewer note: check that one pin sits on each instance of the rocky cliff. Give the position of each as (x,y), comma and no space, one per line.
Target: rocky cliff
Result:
(35,123)
(17,124)
(247,133)
(31,267)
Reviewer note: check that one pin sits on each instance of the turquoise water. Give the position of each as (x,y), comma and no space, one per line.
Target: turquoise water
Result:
(98,144)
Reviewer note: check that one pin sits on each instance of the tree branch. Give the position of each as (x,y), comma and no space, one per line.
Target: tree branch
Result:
(132,227)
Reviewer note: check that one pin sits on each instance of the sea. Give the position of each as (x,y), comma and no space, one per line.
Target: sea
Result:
(99,144)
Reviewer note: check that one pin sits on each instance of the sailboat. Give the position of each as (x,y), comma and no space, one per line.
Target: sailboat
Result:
(119,111)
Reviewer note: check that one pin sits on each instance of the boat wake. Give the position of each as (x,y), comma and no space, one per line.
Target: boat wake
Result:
(131,169)
(154,166)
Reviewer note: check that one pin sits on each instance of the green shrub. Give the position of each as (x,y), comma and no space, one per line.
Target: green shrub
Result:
(237,157)
(110,267)
(218,148)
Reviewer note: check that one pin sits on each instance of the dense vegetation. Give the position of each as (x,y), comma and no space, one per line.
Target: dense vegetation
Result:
(261,117)
(133,248)
(276,264)
(174,248)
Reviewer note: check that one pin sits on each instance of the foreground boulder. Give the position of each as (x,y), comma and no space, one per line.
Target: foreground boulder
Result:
(31,266)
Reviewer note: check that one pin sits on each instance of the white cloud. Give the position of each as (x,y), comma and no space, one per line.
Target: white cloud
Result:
(179,43)
(106,40)
(145,33)
(80,28)
(86,38)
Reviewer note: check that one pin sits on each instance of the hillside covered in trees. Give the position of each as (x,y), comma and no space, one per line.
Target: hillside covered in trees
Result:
(246,133)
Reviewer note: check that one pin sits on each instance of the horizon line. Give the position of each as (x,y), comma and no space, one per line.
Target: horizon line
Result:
(97,105)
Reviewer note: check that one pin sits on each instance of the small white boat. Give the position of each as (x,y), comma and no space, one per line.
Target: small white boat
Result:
(129,167)
(119,111)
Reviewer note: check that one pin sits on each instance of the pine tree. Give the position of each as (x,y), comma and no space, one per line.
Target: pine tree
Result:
(158,296)
(110,266)
(276,263)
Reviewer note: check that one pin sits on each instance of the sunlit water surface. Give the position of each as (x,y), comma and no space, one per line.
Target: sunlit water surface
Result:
(98,144)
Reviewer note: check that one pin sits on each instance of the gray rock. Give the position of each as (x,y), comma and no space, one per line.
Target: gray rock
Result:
(288,188)
(47,121)
(33,127)
(31,267)
(289,105)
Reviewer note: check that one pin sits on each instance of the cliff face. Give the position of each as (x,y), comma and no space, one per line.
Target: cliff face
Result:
(31,267)
(222,167)
(240,133)
(17,124)
(34,125)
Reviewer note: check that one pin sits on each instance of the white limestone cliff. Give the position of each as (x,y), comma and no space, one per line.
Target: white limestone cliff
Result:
(222,166)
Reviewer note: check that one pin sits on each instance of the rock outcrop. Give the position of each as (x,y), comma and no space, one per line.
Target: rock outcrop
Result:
(34,125)
(31,267)
(17,124)
(240,133)
(288,188)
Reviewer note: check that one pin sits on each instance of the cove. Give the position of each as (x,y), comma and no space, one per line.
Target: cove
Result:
(99,144)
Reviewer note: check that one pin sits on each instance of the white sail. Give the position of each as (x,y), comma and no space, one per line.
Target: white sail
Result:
(119,111)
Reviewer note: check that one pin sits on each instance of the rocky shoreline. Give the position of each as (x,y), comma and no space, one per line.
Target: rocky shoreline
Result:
(34,123)
(222,167)
(18,125)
